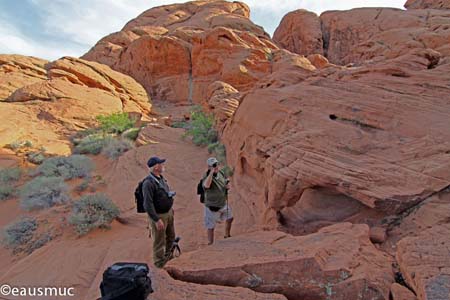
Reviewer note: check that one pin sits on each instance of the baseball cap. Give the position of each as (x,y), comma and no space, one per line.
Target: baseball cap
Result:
(154,161)
(211,161)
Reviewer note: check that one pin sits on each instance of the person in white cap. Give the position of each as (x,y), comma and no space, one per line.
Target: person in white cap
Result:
(216,186)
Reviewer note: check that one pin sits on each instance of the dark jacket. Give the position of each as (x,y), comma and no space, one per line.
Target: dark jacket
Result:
(156,199)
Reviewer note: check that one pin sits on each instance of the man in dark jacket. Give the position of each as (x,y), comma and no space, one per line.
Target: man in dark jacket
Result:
(158,201)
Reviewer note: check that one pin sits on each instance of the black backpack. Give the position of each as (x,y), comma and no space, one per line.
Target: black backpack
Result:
(201,191)
(139,197)
(126,281)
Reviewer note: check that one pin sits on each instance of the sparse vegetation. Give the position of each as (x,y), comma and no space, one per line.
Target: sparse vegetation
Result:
(115,148)
(6,191)
(84,185)
(131,133)
(43,192)
(21,236)
(36,157)
(74,166)
(10,174)
(19,233)
(19,145)
(201,128)
(93,211)
(115,123)
(180,124)
(91,144)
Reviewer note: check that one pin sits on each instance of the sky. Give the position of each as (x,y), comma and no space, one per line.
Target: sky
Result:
(54,28)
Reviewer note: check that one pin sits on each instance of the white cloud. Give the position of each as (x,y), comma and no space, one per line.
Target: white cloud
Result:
(84,22)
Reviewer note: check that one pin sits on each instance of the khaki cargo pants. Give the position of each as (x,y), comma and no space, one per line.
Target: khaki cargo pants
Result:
(162,240)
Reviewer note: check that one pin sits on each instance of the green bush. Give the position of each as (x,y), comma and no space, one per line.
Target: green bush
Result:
(19,233)
(131,133)
(201,128)
(36,158)
(93,211)
(68,167)
(43,192)
(115,123)
(115,148)
(6,191)
(10,174)
(19,145)
(91,144)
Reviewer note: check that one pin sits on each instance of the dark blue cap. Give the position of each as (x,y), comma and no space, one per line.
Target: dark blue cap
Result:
(154,161)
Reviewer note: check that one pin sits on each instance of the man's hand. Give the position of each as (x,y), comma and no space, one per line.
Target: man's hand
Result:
(160,225)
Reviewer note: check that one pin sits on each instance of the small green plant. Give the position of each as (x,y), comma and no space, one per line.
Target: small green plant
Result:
(19,145)
(43,192)
(74,166)
(201,128)
(115,148)
(92,144)
(93,211)
(115,123)
(19,233)
(36,157)
(131,133)
(10,174)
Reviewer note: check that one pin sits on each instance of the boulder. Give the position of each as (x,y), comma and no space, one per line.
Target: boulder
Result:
(399,292)
(425,264)
(338,262)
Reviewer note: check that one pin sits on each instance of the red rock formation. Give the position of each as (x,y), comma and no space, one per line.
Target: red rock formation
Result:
(300,32)
(177,51)
(435,4)
(425,263)
(362,132)
(17,71)
(52,100)
(348,39)
(338,262)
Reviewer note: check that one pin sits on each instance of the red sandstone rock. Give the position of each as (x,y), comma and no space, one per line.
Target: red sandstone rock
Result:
(338,262)
(435,4)
(362,132)
(347,38)
(177,51)
(300,32)
(377,235)
(223,101)
(425,264)
(318,61)
(400,292)
(49,104)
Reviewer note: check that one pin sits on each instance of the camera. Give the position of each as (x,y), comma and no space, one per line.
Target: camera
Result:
(171,194)
(214,165)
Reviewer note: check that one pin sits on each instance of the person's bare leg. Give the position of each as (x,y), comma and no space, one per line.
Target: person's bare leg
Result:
(228,228)
(210,236)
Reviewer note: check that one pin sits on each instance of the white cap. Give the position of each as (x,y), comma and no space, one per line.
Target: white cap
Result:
(211,161)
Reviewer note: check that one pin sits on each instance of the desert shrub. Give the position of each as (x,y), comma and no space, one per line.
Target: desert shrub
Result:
(36,157)
(131,133)
(115,123)
(19,145)
(115,148)
(92,144)
(93,211)
(43,192)
(38,242)
(201,128)
(19,233)
(180,124)
(84,185)
(6,191)
(67,167)
(10,174)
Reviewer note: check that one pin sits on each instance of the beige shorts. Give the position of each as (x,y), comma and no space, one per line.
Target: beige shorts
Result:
(213,217)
